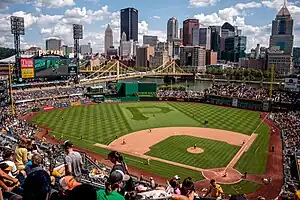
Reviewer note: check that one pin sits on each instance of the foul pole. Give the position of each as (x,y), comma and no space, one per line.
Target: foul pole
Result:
(10,90)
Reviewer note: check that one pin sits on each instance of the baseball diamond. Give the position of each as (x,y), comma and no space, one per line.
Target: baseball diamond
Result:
(231,139)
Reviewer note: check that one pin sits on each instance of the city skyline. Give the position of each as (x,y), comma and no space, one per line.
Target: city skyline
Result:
(43,20)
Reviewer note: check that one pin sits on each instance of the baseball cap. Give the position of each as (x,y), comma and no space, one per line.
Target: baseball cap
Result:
(67,144)
(68,182)
(117,176)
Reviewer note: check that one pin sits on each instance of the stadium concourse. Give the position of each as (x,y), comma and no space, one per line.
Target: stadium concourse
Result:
(34,167)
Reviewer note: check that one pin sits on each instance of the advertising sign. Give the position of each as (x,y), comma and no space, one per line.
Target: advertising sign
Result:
(75,103)
(290,83)
(27,73)
(26,63)
(48,107)
(234,102)
(27,68)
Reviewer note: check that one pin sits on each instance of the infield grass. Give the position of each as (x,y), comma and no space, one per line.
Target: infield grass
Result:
(103,123)
(216,154)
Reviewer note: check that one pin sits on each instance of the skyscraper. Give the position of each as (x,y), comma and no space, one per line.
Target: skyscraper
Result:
(281,42)
(172,29)
(215,39)
(188,26)
(129,23)
(282,31)
(108,40)
(205,37)
(150,39)
(53,44)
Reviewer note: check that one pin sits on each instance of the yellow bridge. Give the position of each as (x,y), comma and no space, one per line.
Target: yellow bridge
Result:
(115,70)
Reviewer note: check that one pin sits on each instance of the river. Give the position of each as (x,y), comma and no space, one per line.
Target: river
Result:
(197,85)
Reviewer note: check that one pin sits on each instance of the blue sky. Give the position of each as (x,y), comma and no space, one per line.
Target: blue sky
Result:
(53,18)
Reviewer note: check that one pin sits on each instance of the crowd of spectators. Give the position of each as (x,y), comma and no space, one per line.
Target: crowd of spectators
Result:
(289,122)
(63,102)
(179,94)
(20,95)
(244,91)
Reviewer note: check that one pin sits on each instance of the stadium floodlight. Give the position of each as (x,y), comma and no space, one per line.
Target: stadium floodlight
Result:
(17,29)
(77,32)
(17,25)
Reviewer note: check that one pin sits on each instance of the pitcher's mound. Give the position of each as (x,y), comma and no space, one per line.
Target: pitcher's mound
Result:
(195,150)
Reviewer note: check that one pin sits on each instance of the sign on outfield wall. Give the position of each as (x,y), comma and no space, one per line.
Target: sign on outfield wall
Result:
(235,102)
(290,83)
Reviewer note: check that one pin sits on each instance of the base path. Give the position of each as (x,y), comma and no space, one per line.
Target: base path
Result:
(140,142)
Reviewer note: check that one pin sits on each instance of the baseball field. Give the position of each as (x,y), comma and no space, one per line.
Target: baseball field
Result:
(195,140)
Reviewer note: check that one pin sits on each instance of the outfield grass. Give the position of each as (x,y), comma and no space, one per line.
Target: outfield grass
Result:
(254,161)
(212,157)
(103,123)
(237,120)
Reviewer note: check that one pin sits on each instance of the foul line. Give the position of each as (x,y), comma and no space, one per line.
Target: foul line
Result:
(244,147)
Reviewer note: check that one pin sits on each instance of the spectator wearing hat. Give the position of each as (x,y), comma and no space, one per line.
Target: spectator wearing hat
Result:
(7,183)
(68,183)
(113,186)
(173,186)
(117,159)
(8,158)
(73,160)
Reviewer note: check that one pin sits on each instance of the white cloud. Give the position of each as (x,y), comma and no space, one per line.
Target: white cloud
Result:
(161,35)
(273,3)
(226,15)
(60,30)
(202,3)
(54,3)
(155,17)
(45,20)
(63,28)
(143,27)
(251,4)
(102,13)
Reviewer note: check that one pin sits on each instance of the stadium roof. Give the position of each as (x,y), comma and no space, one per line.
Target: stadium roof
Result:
(12,59)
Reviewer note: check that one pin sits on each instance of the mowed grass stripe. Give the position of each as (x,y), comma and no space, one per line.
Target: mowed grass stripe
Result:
(101,124)
(241,121)
(216,154)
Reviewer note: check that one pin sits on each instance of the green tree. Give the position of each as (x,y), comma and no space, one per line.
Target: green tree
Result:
(6,52)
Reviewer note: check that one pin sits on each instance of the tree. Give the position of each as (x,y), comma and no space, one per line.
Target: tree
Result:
(6,52)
